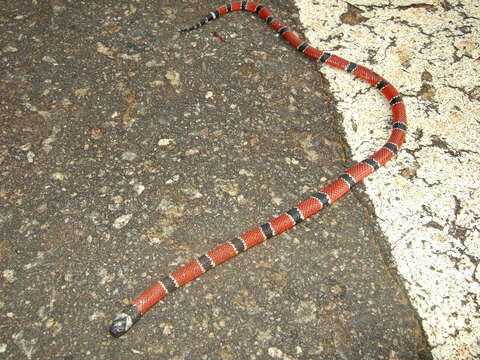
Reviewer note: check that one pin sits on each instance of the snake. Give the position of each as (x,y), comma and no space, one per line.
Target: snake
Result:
(124,320)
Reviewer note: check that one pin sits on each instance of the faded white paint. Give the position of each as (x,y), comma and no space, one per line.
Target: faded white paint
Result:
(427,199)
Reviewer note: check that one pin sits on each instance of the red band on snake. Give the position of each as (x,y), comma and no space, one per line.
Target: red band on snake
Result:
(317,201)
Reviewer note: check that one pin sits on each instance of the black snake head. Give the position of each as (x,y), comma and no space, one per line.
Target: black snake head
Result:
(124,321)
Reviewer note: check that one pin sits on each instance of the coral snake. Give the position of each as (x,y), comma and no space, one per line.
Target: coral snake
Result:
(317,201)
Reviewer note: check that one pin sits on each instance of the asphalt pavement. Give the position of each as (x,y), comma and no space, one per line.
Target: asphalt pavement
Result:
(127,149)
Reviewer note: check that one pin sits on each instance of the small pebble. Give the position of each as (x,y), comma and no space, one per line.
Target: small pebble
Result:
(129,156)
(57,176)
(138,188)
(121,221)
(165,142)
(9,275)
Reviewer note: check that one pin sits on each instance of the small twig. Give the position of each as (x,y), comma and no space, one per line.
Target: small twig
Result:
(220,37)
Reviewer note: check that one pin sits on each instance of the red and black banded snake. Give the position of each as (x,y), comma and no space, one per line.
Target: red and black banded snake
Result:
(317,201)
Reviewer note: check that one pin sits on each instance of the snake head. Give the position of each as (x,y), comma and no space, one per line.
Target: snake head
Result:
(124,321)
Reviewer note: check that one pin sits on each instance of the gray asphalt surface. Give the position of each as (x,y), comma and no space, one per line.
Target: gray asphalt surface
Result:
(127,149)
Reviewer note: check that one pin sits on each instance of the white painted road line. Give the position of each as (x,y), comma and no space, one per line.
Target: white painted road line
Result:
(428,199)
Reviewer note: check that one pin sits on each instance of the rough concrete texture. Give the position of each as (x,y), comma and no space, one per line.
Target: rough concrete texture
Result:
(428,201)
(126,149)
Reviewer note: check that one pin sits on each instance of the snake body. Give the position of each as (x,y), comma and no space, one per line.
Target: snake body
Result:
(313,204)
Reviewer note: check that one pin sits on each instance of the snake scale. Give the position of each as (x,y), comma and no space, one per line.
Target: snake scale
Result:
(317,201)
